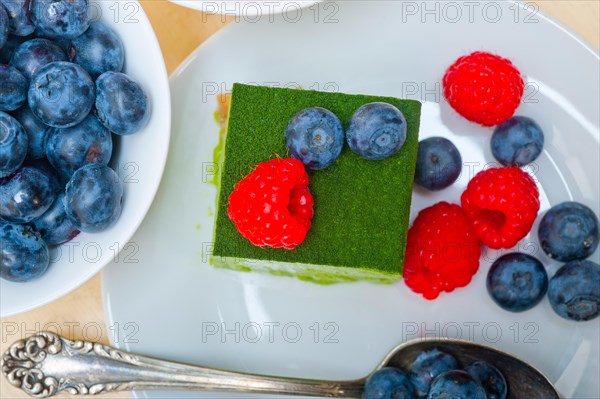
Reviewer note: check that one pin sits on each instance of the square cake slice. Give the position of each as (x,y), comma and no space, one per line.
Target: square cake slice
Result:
(361,207)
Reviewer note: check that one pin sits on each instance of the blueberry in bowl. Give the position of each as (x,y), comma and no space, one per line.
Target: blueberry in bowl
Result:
(569,231)
(517,282)
(13,89)
(61,94)
(65,19)
(71,148)
(121,104)
(24,255)
(27,194)
(94,198)
(37,132)
(34,54)
(54,226)
(99,49)
(13,144)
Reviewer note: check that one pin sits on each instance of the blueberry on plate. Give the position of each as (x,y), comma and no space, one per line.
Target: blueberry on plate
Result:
(19,21)
(13,144)
(24,255)
(455,384)
(315,137)
(376,131)
(517,282)
(490,379)
(54,226)
(569,231)
(121,104)
(388,383)
(427,366)
(27,194)
(65,19)
(3,26)
(98,50)
(37,132)
(71,148)
(574,291)
(61,94)
(94,198)
(13,88)
(34,54)
(438,163)
(517,142)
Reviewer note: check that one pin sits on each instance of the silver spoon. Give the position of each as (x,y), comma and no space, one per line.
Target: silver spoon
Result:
(46,364)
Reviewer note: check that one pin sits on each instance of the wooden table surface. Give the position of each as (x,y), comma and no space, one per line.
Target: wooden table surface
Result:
(180,31)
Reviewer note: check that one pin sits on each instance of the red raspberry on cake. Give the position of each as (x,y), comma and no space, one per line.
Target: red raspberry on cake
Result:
(442,251)
(484,88)
(502,204)
(272,206)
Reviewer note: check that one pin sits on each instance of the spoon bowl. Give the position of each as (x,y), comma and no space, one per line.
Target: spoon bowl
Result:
(47,364)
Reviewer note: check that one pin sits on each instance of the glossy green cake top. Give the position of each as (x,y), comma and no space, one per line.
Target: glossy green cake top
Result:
(361,207)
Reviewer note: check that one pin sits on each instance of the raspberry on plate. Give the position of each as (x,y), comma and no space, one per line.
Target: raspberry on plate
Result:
(502,204)
(442,251)
(273,206)
(484,88)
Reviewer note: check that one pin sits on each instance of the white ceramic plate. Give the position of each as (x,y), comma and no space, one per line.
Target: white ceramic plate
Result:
(171,303)
(138,159)
(252,11)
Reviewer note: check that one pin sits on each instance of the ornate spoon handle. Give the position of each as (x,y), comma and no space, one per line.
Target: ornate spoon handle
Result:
(46,364)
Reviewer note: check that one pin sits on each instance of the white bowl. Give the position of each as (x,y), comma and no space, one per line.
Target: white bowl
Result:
(138,159)
(251,11)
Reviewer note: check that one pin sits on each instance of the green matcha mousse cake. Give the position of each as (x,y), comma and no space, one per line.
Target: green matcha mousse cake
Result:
(361,207)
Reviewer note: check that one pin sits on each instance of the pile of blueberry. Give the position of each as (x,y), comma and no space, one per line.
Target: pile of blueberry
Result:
(63,99)
(567,233)
(315,136)
(436,375)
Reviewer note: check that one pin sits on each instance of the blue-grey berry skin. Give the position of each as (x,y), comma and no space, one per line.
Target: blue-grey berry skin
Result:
(12,42)
(455,384)
(427,366)
(98,50)
(61,94)
(517,142)
(60,19)
(3,26)
(517,282)
(376,131)
(94,198)
(24,255)
(315,137)
(33,54)
(438,163)
(569,231)
(19,17)
(54,226)
(27,194)
(13,144)
(13,88)
(37,132)
(388,383)
(574,291)
(490,379)
(121,104)
(71,148)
